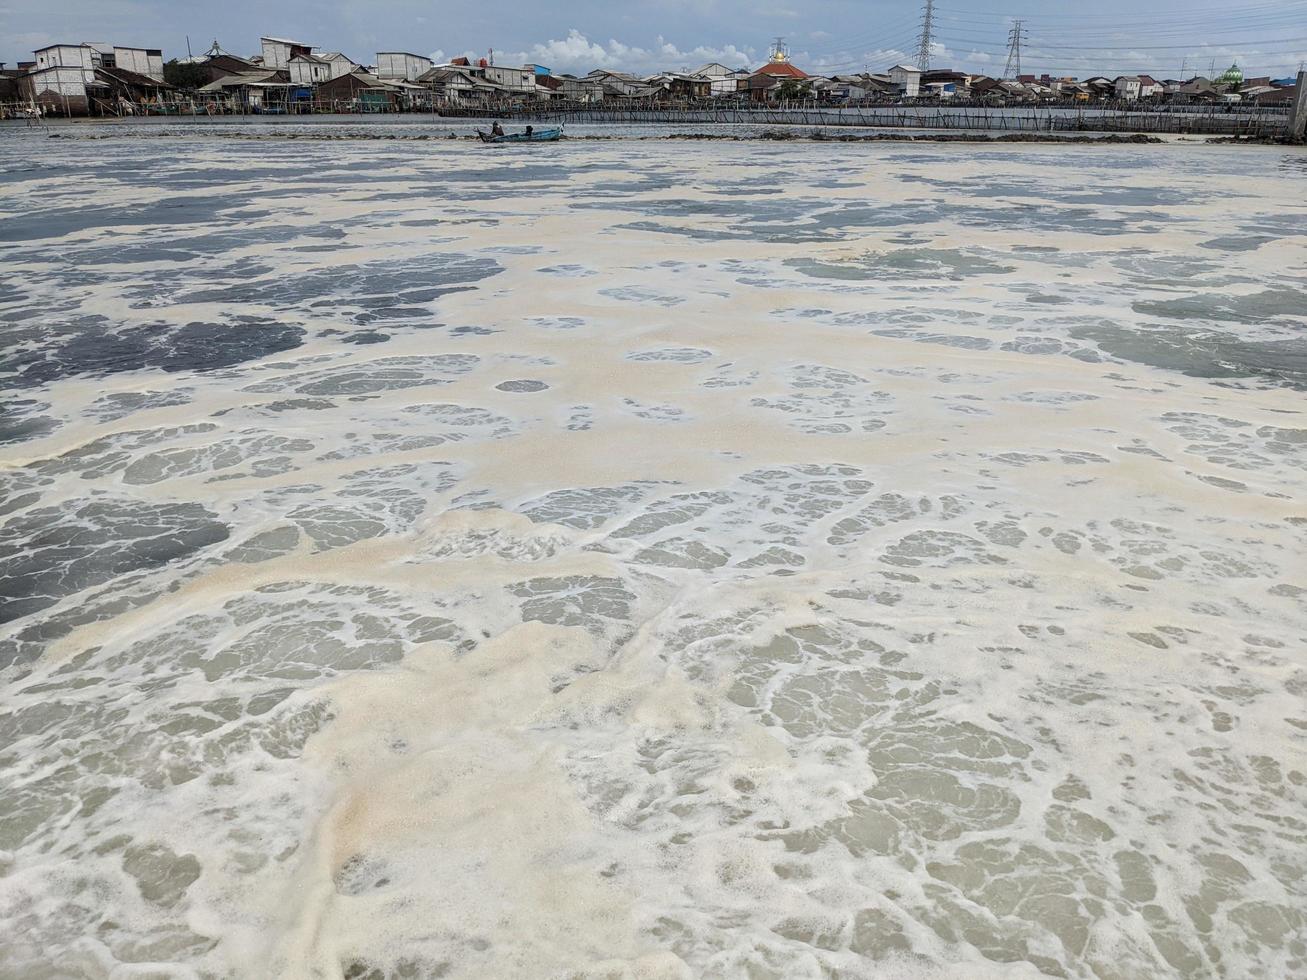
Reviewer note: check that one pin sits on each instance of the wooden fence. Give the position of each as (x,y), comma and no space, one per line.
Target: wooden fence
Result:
(1124,117)
(1227,120)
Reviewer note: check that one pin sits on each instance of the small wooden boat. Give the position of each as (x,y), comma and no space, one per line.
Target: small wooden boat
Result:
(535,136)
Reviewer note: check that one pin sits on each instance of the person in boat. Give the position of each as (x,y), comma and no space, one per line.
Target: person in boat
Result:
(496,129)
(529,131)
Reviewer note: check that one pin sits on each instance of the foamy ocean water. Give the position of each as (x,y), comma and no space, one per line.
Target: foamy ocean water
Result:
(652,560)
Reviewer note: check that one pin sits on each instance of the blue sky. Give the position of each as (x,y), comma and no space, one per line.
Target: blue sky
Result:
(1108,36)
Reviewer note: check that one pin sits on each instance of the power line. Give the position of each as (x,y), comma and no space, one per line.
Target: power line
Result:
(1142,28)
(1148,33)
(1101,56)
(1256,45)
(1142,45)
(1124,42)
(1244,33)
(1190,13)
(858,43)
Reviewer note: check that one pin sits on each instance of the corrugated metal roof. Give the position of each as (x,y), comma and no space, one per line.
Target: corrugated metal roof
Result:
(781,69)
(132,78)
(252,79)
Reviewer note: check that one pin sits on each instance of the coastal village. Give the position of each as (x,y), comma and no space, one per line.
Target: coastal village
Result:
(292,76)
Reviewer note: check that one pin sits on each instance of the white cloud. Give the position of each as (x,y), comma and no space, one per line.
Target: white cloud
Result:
(575,49)
(577,53)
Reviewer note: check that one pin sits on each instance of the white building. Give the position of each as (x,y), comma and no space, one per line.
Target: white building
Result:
(101,53)
(143,61)
(65,74)
(725,81)
(66,56)
(514,80)
(401,64)
(1150,87)
(340,64)
(308,70)
(1132,87)
(277,51)
(62,73)
(906,79)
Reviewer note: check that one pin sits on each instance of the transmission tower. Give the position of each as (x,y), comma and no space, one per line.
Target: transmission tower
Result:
(927,35)
(1014,39)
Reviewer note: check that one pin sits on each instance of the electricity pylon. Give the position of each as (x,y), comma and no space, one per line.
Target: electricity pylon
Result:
(1014,39)
(927,35)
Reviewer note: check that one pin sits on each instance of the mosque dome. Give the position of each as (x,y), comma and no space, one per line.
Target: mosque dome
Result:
(1232,76)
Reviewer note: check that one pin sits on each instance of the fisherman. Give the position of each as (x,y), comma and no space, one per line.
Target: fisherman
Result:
(496,129)
(529,131)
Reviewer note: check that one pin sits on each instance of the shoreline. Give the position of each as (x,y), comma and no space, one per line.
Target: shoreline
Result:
(109,129)
(767,136)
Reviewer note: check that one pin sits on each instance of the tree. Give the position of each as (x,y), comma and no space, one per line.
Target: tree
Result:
(184,75)
(792,89)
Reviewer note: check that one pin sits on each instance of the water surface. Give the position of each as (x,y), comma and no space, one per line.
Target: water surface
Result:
(646,559)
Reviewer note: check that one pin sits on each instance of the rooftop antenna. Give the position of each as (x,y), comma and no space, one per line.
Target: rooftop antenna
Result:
(1014,39)
(490,57)
(927,35)
(780,52)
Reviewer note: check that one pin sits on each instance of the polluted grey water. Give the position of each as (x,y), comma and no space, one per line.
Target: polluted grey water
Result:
(651,560)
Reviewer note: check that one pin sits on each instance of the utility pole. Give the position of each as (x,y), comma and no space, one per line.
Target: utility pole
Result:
(1014,39)
(927,35)
(1298,115)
